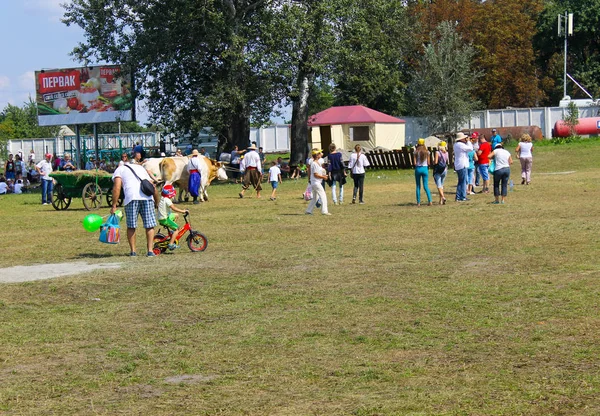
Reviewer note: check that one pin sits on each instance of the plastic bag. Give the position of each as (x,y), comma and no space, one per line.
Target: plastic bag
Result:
(110,232)
(308,193)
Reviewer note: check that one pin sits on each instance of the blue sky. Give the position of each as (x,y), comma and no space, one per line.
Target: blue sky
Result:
(34,38)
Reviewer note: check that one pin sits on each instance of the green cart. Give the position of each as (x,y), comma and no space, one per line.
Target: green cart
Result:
(89,185)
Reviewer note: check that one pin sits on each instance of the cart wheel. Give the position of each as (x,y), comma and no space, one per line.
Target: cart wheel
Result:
(92,196)
(109,199)
(60,200)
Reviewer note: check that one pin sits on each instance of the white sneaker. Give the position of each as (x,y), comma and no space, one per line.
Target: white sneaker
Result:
(327,213)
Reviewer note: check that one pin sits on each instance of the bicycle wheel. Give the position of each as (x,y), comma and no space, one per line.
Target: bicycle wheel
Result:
(197,241)
(160,244)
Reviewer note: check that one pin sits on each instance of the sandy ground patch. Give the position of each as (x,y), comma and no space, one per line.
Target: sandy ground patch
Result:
(17,274)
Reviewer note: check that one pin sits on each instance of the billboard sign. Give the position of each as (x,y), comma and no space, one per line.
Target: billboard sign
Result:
(96,94)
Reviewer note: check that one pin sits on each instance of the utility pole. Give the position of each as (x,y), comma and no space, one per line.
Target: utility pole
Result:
(565,27)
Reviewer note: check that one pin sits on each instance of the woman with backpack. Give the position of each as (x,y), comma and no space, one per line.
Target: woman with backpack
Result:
(422,171)
(440,169)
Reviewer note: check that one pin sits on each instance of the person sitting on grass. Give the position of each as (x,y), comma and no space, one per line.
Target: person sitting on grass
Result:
(299,171)
(166,217)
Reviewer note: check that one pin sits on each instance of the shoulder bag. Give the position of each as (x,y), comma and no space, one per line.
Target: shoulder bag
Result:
(146,186)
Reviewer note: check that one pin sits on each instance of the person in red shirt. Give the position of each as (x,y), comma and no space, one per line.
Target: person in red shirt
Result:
(485,148)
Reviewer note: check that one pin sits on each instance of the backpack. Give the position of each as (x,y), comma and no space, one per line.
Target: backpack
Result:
(440,167)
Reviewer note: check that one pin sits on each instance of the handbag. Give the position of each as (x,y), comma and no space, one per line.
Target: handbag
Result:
(110,230)
(492,166)
(146,186)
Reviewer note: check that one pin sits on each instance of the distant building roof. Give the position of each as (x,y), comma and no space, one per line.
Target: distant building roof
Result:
(350,114)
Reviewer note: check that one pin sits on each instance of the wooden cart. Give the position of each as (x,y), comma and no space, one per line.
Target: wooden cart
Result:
(90,185)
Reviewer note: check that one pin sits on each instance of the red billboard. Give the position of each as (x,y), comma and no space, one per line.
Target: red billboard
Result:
(96,94)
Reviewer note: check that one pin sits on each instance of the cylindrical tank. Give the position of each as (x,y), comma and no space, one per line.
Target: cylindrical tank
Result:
(588,125)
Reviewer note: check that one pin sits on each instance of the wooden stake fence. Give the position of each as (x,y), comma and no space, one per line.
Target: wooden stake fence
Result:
(400,158)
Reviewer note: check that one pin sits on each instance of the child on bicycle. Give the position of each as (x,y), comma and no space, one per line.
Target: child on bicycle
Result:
(166,217)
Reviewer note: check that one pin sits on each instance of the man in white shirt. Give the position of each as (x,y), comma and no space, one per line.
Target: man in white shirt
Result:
(462,147)
(253,171)
(44,169)
(136,203)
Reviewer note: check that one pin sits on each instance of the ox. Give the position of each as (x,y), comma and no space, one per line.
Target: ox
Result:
(173,170)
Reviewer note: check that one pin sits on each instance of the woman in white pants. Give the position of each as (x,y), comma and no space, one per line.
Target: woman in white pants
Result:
(317,174)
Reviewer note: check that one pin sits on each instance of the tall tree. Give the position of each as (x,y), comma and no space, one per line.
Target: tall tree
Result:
(370,63)
(199,63)
(503,33)
(22,123)
(441,89)
(306,38)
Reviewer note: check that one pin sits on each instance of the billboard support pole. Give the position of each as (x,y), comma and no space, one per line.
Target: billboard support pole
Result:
(78,146)
(96,153)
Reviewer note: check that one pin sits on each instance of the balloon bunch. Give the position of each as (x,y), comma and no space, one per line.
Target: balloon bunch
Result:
(93,222)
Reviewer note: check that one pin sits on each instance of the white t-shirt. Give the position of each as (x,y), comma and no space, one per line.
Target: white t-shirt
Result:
(17,188)
(501,156)
(525,149)
(131,184)
(461,155)
(274,173)
(164,207)
(358,163)
(193,164)
(252,159)
(46,168)
(316,168)
(3,188)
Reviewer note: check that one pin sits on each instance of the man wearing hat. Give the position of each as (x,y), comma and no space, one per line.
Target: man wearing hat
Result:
(44,169)
(253,171)
(462,147)
(495,139)
(193,168)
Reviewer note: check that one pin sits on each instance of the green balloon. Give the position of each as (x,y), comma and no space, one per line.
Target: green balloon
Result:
(92,222)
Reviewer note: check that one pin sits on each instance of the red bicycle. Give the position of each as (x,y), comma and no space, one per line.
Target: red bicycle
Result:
(196,241)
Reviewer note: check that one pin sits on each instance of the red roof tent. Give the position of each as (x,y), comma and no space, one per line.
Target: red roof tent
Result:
(350,114)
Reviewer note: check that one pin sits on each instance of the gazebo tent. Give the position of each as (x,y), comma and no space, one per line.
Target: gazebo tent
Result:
(347,126)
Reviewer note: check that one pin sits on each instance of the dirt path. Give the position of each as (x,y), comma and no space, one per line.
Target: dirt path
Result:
(19,274)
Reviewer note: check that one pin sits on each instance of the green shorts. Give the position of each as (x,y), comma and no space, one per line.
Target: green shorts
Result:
(169,223)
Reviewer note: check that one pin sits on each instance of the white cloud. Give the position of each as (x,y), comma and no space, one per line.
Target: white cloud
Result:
(50,8)
(4,82)
(27,81)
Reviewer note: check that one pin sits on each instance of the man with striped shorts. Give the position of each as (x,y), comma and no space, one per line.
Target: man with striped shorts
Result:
(135,202)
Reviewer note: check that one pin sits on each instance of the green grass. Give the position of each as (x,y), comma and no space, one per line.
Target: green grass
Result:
(380,309)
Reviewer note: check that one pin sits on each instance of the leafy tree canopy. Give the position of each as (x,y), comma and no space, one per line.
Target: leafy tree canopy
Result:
(442,87)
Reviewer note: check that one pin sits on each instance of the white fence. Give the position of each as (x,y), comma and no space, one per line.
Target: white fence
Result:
(543,117)
(272,139)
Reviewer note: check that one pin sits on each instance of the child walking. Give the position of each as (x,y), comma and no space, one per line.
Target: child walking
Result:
(274,178)
(165,215)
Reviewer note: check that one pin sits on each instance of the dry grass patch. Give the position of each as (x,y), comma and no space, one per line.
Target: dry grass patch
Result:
(383,308)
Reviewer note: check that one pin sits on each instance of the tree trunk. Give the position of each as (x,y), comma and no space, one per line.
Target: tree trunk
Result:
(299,133)
(237,133)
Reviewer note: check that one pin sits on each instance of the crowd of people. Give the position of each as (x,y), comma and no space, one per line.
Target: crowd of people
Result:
(475,161)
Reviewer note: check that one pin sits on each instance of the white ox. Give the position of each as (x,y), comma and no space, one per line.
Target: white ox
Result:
(173,170)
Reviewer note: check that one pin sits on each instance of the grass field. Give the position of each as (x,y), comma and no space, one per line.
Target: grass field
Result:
(379,309)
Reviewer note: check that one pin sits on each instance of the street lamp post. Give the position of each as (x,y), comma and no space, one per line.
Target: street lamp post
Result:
(565,26)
